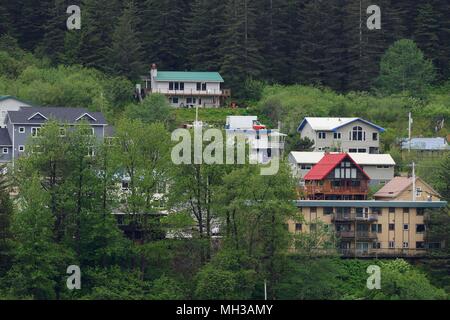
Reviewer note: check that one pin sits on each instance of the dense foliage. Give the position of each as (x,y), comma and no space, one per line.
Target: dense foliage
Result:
(282,41)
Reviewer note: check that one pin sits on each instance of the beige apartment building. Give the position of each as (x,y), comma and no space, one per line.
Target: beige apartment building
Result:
(368,228)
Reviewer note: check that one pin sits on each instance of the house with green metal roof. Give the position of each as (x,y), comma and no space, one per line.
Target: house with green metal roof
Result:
(187,89)
(10,103)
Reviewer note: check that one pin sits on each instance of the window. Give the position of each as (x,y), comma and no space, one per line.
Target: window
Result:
(182,86)
(375,136)
(313,210)
(337,136)
(420,245)
(377,228)
(391,226)
(406,227)
(357,134)
(337,173)
(420,211)
(322,135)
(170,85)
(362,151)
(21,148)
(420,228)
(298,227)
(175,100)
(62,132)
(405,245)
(327,210)
(35,131)
(376,245)
(201,86)
(405,210)
(91,152)
(5,151)
(351,150)
(391,210)
(125,185)
(418,191)
(21,129)
(305,167)
(391,244)
(313,227)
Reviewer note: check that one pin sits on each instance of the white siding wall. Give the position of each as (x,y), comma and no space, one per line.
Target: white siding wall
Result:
(345,143)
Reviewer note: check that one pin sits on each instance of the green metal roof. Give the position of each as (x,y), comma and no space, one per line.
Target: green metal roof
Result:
(370,204)
(188,76)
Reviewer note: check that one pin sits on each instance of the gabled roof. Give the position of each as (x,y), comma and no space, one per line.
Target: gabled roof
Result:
(188,76)
(360,158)
(332,124)
(397,185)
(2,98)
(61,114)
(426,144)
(5,139)
(327,164)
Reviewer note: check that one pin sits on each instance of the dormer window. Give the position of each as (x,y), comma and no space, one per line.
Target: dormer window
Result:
(86,116)
(37,116)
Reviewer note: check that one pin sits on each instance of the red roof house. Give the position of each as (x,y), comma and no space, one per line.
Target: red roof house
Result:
(336,177)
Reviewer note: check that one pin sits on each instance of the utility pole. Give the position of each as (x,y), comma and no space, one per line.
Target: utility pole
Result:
(410,121)
(265,289)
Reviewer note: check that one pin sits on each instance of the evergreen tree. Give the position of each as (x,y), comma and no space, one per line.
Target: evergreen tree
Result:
(321,59)
(241,50)
(204,28)
(426,33)
(405,69)
(126,50)
(99,18)
(6,211)
(163,33)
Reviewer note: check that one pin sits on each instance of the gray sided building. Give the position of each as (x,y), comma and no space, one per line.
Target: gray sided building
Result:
(26,122)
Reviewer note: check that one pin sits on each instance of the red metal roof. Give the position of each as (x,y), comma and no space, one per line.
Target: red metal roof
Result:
(327,164)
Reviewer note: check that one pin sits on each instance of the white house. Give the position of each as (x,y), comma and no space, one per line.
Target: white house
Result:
(9,103)
(261,141)
(353,135)
(379,167)
(187,88)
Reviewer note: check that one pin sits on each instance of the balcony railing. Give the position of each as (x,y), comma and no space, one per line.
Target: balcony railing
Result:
(344,217)
(367,235)
(193,92)
(327,189)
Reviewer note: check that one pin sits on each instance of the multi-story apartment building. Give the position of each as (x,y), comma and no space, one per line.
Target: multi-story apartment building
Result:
(379,167)
(187,88)
(10,103)
(371,228)
(354,135)
(27,122)
(336,177)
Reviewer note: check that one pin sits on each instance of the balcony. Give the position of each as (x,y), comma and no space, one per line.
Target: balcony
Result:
(361,235)
(192,92)
(387,253)
(366,235)
(328,189)
(348,217)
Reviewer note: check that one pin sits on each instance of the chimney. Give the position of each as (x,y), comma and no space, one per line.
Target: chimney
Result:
(153,75)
